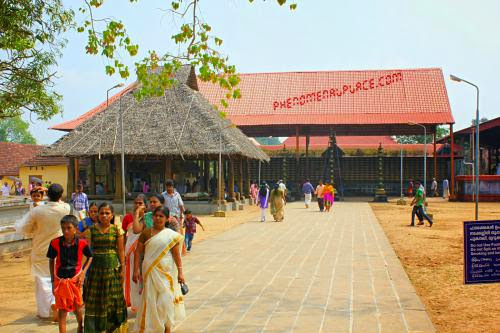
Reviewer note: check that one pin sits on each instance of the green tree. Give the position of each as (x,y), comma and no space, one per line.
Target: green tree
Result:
(15,130)
(198,46)
(266,141)
(31,42)
(481,120)
(441,132)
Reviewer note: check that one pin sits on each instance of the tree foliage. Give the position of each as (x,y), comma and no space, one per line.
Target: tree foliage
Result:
(441,132)
(15,130)
(481,120)
(198,46)
(268,141)
(30,43)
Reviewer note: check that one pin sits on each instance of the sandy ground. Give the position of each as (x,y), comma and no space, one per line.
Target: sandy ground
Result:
(433,259)
(16,283)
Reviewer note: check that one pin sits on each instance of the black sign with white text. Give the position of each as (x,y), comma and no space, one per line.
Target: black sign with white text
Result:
(481,251)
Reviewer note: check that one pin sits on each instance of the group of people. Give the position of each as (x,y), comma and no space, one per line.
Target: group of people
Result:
(412,188)
(275,198)
(99,265)
(325,194)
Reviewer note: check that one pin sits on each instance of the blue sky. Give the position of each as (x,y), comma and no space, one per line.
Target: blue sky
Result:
(461,37)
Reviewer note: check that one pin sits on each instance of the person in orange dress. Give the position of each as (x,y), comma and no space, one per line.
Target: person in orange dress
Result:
(66,272)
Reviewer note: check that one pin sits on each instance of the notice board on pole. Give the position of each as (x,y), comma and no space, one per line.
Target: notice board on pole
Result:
(482,251)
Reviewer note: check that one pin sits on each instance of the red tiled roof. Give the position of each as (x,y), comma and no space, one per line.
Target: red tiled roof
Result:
(338,97)
(368,97)
(72,124)
(13,155)
(46,161)
(322,141)
(353,142)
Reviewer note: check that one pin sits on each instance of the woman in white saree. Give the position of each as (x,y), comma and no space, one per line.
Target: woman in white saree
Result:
(162,302)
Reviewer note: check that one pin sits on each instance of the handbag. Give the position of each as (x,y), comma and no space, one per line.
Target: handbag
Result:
(184,288)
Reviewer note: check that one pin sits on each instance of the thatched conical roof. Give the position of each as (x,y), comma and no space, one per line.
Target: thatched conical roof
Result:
(182,123)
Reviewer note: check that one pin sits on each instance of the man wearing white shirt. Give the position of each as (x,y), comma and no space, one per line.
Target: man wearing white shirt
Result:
(44,225)
(5,190)
(173,200)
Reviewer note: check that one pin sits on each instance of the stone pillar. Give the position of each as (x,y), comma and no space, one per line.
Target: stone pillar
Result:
(92,176)
(230,177)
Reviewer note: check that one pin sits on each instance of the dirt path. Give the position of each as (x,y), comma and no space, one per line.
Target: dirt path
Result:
(433,259)
(16,282)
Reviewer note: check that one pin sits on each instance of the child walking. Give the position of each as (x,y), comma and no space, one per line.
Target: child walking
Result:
(190,223)
(67,275)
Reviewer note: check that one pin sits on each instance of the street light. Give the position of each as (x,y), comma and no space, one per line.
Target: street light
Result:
(425,152)
(113,87)
(119,85)
(221,194)
(476,158)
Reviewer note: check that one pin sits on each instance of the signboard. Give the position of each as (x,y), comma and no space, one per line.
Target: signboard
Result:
(481,252)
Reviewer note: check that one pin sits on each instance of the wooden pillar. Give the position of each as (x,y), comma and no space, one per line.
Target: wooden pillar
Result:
(247,180)
(77,180)
(168,169)
(206,175)
(297,155)
(452,166)
(92,176)
(222,181)
(110,176)
(71,178)
(117,177)
(308,138)
(230,176)
(297,142)
(435,157)
(240,177)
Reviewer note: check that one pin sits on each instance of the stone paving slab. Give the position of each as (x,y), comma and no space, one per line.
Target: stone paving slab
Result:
(314,272)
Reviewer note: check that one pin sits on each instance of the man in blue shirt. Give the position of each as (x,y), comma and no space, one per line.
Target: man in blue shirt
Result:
(308,190)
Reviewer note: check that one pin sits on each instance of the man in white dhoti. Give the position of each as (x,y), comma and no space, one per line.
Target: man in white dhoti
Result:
(43,224)
(162,301)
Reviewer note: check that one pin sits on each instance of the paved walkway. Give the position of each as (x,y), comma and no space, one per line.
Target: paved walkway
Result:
(315,272)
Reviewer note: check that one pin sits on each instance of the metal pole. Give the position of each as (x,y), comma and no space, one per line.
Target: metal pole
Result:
(477,155)
(425,160)
(123,159)
(476,159)
(220,172)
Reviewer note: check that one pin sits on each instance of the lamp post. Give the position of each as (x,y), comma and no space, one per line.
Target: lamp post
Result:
(425,153)
(476,158)
(107,92)
(119,85)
